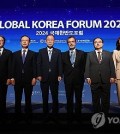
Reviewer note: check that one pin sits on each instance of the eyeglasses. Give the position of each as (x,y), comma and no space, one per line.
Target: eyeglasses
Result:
(24,40)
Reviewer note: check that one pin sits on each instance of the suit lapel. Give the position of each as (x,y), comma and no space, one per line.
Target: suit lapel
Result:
(77,56)
(46,55)
(20,56)
(53,55)
(27,56)
(95,56)
(4,52)
(103,56)
(68,57)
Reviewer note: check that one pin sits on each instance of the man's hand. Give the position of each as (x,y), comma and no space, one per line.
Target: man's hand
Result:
(8,82)
(13,81)
(39,78)
(59,78)
(33,82)
(112,80)
(88,81)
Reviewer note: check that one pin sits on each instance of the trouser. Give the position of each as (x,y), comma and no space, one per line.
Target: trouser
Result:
(53,86)
(3,93)
(101,97)
(71,89)
(18,95)
(118,90)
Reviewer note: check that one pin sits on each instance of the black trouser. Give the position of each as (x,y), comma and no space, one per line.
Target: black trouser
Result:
(3,93)
(18,96)
(101,97)
(45,93)
(71,89)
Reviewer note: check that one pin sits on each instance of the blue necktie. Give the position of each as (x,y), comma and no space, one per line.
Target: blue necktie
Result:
(23,56)
(72,57)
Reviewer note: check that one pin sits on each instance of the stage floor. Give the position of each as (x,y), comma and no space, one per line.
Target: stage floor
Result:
(37,123)
(86,108)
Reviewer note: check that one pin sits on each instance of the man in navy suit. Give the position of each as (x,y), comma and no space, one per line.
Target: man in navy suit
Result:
(73,69)
(49,72)
(23,74)
(5,70)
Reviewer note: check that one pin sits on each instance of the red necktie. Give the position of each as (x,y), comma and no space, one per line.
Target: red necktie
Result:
(99,57)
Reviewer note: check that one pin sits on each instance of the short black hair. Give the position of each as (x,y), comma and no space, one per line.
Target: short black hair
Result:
(50,35)
(98,38)
(118,44)
(3,38)
(71,37)
(25,36)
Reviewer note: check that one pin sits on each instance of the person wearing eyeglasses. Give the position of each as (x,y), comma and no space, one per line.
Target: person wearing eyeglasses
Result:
(100,74)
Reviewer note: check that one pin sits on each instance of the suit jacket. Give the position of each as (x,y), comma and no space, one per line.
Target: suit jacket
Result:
(5,65)
(98,72)
(29,66)
(75,74)
(43,65)
(116,59)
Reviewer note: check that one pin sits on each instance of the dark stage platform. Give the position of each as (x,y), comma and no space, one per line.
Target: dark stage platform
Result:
(86,108)
(37,122)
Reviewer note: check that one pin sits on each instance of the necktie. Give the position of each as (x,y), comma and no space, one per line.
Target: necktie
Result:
(23,56)
(0,52)
(72,57)
(99,57)
(50,55)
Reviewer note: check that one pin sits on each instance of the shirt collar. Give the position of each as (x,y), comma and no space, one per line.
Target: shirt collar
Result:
(99,51)
(25,49)
(1,49)
(74,50)
(49,49)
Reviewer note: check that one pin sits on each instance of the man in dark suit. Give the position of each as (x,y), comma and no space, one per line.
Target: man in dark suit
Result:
(73,69)
(49,72)
(23,74)
(5,69)
(100,73)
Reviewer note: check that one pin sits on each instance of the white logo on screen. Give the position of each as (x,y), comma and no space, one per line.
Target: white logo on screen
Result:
(98,120)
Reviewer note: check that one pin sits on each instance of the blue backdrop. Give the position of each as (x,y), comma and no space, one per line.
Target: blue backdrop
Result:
(33,11)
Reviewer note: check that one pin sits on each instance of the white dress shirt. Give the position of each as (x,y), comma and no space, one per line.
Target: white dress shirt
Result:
(26,50)
(1,50)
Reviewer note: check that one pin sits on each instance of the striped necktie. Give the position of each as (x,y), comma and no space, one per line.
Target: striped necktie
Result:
(99,57)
